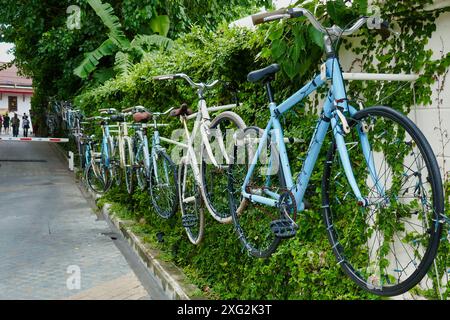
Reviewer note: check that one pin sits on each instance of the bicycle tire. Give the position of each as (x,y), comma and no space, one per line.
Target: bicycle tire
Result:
(191,203)
(160,191)
(351,230)
(254,232)
(214,179)
(129,165)
(95,183)
(142,172)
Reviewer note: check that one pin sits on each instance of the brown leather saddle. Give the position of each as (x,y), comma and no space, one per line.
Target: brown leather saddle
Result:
(142,117)
(182,111)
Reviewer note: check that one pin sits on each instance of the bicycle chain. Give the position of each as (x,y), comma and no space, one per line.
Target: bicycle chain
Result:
(284,193)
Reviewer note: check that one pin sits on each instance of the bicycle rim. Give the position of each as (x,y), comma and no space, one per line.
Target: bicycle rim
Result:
(191,204)
(223,132)
(164,185)
(141,170)
(252,220)
(387,246)
(128,172)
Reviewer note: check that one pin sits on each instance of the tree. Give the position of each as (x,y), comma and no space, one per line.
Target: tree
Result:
(47,51)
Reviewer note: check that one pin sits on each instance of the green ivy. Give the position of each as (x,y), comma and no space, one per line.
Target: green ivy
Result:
(303,267)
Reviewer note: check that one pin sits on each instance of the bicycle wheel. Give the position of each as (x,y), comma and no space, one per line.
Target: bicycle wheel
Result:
(256,223)
(388,245)
(191,204)
(214,178)
(98,182)
(114,160)
(141,170)
(163,185)
(129,165)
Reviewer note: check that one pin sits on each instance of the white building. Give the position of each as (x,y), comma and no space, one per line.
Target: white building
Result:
(15,93)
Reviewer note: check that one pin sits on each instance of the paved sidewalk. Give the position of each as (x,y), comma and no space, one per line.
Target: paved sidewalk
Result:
(47,230)
(126,287)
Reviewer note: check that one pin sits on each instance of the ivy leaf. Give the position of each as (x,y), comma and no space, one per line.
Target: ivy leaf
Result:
(336,9)
(305,65)
(296,51)
(276,32)
(278,48)
(315,36)
(361,5)
(290,67)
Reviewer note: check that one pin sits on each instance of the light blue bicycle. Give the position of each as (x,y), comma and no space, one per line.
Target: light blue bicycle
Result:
(103,167)
(153,167)
(382,195)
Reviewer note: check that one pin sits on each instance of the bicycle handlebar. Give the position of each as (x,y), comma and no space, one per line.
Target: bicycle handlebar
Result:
(96,118)
(135,109)
(301,12)
(108,111)
(188,79)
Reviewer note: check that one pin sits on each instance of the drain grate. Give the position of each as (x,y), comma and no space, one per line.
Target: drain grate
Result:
(111,235)
(22,160)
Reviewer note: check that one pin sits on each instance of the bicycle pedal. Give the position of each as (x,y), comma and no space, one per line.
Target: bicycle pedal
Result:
(189,220)
(283,228)
(307,204)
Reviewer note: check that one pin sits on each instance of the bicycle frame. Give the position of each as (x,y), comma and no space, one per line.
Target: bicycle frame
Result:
(201,126)
(156,146)
(105,147)
(332,114)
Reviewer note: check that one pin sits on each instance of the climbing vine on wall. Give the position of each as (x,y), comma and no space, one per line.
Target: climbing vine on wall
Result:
(304,267)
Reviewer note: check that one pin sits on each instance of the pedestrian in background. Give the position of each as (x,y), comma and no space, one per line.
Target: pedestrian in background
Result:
(1,123)
(15,123)
(6,120)
(25,125)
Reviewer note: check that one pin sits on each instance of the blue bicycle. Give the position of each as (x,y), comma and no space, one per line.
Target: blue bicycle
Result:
(382,195)
(102,167)
(152,165)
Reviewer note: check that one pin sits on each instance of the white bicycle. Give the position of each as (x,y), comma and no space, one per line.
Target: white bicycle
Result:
(206,176)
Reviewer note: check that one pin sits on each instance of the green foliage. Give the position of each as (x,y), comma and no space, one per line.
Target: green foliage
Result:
(92,59)
(118,44)
(160,25)
(111,21)
(304,267)
(47,51)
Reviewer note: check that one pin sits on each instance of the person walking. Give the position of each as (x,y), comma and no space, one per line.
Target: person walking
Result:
(25,125)
(15,123)
(1,123)
(6,120)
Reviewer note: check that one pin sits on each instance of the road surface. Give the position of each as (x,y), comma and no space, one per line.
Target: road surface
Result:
(52,245)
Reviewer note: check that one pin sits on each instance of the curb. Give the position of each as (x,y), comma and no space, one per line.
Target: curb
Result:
(171,278)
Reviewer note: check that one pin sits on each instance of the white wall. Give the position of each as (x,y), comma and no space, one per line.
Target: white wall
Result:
(428,118)
(5,55)
(23,106)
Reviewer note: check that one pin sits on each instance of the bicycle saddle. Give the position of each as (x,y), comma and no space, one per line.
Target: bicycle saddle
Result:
(257,75)
(142,117)
(182,111)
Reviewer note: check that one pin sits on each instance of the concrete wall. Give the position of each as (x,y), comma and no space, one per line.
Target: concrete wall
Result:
(433,120)
(429,118)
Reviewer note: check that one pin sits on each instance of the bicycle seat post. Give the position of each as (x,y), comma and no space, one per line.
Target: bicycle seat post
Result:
(269,88)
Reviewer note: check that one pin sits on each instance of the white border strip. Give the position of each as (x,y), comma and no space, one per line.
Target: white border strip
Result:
(57,140)
(380,76)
